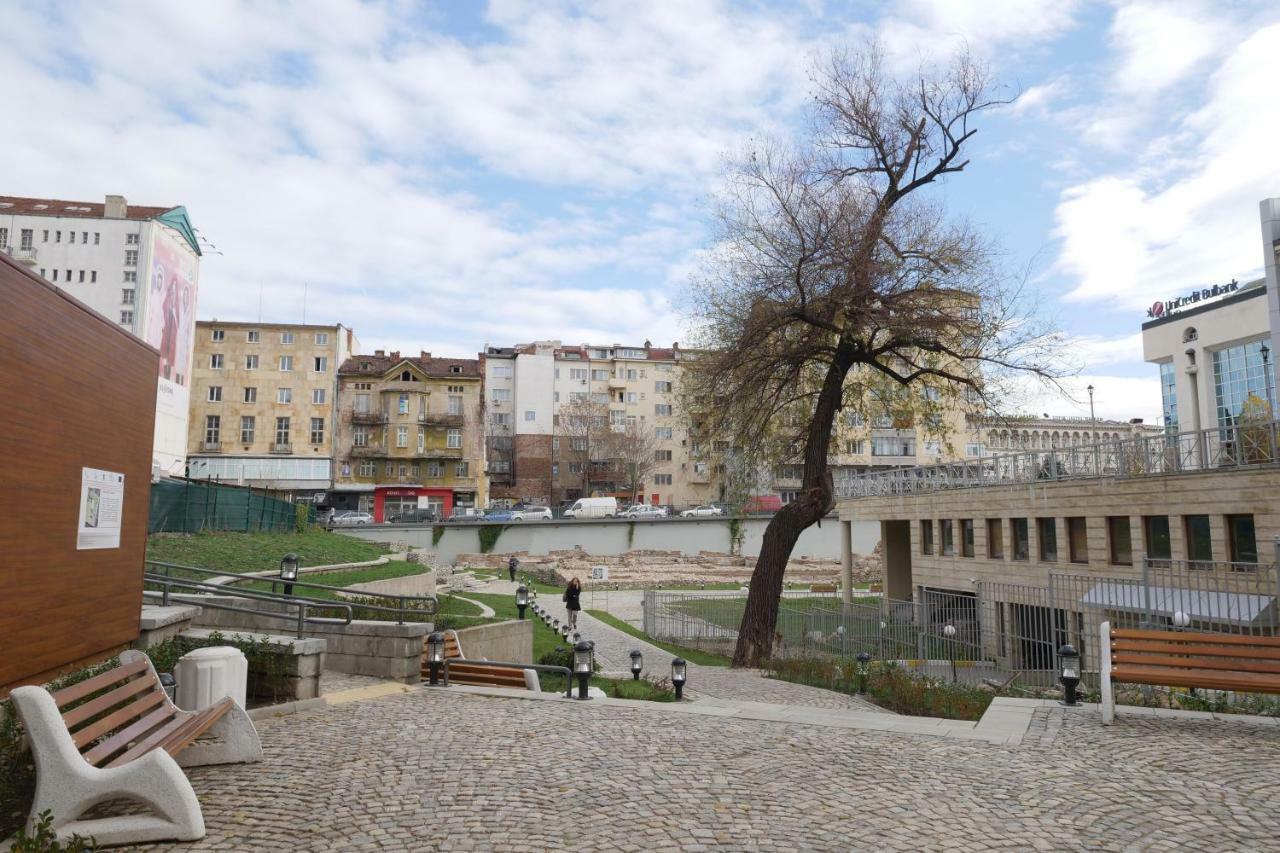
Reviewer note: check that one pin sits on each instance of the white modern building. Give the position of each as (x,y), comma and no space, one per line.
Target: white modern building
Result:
(137,266)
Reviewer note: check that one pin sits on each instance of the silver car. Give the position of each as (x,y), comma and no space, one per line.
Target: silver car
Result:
(533,513)
(701,511)
(644,511)
(347,519)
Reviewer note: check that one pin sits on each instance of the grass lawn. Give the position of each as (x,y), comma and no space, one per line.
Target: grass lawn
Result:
(254,552)
(692,655)
(396,569)
(504,607)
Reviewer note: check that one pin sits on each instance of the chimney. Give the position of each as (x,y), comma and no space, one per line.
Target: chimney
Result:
(115,207)
(1135,420)
(425,354)
(395,355)
(380,352)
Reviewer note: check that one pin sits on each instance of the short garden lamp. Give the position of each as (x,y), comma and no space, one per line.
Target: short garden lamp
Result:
(564,631)
(864,667)
(1181,620)
(435,655)
(1069,673)
(637,664)
(289,571)
(582,665)
(522,599)
(679,672)
(555,625)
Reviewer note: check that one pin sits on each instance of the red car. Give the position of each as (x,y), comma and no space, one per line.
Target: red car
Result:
(762,503)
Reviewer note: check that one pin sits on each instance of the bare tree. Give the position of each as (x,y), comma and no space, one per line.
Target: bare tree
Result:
(634,453)
(582,424)
(835,283)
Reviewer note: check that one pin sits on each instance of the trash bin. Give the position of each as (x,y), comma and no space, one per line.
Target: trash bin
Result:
(206,675)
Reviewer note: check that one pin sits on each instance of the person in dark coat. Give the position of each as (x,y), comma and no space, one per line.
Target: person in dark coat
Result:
(512,565)
(573,602)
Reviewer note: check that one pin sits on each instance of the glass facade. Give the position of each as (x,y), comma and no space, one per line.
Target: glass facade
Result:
(230,469)
(1238,375)
(1169,396)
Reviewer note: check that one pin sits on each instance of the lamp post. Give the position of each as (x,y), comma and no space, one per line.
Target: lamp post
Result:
(1266,378)
(1069,673)
(949,631)
(864,666)
(289,571)
(582,665)
(522,599)
(435,655)
(679,672)
(637,664)
(1092,419)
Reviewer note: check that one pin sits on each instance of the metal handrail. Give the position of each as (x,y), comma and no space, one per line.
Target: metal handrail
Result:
(302,618)
(536,667)
(427,604)
(1216,448)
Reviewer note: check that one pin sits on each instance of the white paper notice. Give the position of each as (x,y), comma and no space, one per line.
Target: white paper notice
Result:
(101,505)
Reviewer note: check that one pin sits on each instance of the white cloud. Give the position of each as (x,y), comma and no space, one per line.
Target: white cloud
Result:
(924,29)
(1160,43)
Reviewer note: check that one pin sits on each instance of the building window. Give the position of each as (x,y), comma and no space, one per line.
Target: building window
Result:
(893,446)
(215,361)
(995,538)
(127,295)
(71,237)
(663,433)
(130,257)
(434,470)
(284,395)
(251,362)
(662,456)
(248,423)
(500,419)
(662,409)
(1242,538)
(1241,383)
(530,415)
(455,405)
(132,278)
(4,238)
(926,536)
(1047,532)
(317,396)
(286,363)
(97,237)
(1169,395)
(362,402)
(126,318)
(129,239)
(662,387)
(282,432)
(1199,538)
(1078,539)
(855,447)
(402,404)
(57,236)
(55,274)
(93,276)
(251,395)
(212,429)
(402,436)
(461,469)
(367,468)
(501,395)
(320,364)
(317,430)
(286,337)
(253,336)
(1021,539)
(215,393)
(948,537)
(966,537)
(1119,540)
(599,375)
(360,436)
(454,439)
(84,237)
(322,339)
(81,276)
(1159,545)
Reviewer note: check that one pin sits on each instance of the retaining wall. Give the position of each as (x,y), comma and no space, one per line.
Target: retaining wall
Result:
(510,641)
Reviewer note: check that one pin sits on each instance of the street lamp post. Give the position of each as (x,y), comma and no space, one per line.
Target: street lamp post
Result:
(289,571)
(1266,379)
(1092,419)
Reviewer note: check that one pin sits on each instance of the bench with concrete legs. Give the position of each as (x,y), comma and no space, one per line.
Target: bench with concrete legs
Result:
(480,676)
(117,735)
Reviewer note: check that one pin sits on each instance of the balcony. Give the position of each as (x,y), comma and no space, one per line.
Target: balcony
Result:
(211,446)
(438,453)
(369,418)
(25,255)
(282,449)
(440,419)
(368,451)
(700,472)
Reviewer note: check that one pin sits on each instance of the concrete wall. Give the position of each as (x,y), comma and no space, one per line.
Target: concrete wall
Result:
(423,584)
(610,537)
(380,649)
(510,641)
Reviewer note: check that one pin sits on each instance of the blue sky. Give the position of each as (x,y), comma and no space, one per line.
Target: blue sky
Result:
(444,175)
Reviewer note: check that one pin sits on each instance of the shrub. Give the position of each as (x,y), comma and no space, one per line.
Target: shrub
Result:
(889,686)
(45,840)
(489,534)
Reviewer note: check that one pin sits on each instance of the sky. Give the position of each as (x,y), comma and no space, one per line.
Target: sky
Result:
(441,176)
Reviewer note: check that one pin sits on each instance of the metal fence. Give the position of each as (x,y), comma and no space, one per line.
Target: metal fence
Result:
(1230,447)
(998,632)
(190,506)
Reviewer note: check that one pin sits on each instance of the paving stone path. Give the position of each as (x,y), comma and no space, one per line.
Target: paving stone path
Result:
(441,770)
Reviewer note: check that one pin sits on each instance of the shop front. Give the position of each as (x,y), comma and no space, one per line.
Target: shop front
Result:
(406,502)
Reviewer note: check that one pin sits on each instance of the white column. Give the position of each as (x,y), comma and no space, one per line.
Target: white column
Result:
(846,561)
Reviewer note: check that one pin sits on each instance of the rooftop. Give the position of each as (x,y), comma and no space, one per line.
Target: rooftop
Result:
(381,362)
(82,209)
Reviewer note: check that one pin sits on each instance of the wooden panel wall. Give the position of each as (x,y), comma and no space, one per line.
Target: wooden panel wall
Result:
(75,391)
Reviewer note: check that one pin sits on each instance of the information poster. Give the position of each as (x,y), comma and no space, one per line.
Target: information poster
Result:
(101,507)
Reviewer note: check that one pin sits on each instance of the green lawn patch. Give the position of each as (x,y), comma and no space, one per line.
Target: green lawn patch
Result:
(346,577)
(256,552)
(889,686)
(691,655)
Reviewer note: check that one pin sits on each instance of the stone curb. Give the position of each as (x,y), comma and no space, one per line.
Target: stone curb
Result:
(284,709)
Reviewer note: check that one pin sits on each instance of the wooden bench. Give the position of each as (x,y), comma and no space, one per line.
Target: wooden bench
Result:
(1242,663)
(117,734)
(482,676)
(818,588)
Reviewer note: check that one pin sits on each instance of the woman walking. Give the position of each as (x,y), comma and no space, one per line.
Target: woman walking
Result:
(572,602)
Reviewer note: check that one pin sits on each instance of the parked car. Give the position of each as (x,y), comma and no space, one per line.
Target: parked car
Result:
(466,513)
(350,517)
(413,516)
(593,508)
(533,513)
(701,511)
(644,511)
(499,515)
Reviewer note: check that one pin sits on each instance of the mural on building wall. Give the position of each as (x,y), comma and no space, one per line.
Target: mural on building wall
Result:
(172,306)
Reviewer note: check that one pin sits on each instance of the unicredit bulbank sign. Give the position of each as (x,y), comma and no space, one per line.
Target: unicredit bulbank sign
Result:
(1162,309)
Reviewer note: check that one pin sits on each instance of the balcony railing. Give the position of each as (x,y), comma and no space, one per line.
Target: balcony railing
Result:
(1206,450)
(440,419)
(23,255)
(369,418)
(366,451)
(282,448)
(211,446)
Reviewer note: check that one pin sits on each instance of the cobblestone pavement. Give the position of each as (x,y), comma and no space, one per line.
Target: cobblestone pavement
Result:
(332,681)
(433,770)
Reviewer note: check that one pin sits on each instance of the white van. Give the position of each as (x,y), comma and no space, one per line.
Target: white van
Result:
(593,508)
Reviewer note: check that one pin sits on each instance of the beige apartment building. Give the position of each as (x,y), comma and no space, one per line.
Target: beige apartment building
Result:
(409,436)
(263,403)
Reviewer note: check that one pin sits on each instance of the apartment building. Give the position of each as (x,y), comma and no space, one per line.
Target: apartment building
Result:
(535,390)
(96,252)
(409,435)
(264,404)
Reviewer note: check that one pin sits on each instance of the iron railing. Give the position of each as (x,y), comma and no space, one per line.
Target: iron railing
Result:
(1206,449)
(197,593)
